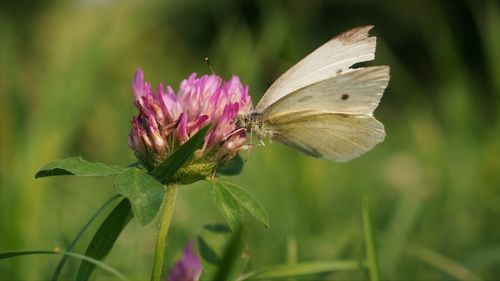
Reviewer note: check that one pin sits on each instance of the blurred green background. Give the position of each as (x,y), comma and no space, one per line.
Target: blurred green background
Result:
(65,87)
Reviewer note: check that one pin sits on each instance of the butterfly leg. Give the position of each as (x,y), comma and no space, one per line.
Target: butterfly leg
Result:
(250,145)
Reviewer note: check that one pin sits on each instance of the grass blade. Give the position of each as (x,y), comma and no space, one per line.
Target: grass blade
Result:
(292,257)
(221,252)
(370,245)
(300,269)
(61,263)
(442,263)
(10,254)
(232,256)
(105,237)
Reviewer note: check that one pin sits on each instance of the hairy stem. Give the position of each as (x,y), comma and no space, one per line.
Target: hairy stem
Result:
(166,216)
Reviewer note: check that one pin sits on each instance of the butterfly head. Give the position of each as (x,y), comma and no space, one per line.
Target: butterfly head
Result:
(252,124)
(247,121)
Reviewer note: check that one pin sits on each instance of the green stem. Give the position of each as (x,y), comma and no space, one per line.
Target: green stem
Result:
(166,216)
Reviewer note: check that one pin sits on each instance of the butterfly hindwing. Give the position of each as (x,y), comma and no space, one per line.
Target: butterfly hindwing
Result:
(337,137)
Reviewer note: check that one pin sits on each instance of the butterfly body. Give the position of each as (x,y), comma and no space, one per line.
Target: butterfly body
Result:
(323,107)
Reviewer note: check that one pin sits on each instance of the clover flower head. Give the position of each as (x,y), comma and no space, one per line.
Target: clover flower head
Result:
(166,120)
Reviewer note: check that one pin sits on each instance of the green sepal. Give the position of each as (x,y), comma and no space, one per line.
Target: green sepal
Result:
(166,170)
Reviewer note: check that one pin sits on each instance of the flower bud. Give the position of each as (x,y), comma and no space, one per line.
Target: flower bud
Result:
(188,268)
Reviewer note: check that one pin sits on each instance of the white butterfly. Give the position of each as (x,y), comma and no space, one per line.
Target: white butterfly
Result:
(323,107)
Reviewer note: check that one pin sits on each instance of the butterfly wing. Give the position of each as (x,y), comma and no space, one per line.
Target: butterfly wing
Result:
(333,118)
(355,92)
(338,137)
(329,60)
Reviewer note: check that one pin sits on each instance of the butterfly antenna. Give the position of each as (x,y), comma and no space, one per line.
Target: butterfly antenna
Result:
(209,66)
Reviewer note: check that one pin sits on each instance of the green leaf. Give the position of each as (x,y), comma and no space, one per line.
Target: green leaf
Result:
(232,167)
(222,252)
(144,192)
(105,237)
(63,260)
(301,269)
(248,201)
(10,254)
(228,205)
(167,169)
(78,167)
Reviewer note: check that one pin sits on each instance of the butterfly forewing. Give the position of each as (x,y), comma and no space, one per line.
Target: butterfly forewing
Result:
(331,59)
(355,92)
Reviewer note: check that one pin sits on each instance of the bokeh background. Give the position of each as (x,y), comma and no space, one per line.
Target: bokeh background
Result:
(65,87)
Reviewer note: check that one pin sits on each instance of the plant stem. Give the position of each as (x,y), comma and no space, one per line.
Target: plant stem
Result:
(166,216)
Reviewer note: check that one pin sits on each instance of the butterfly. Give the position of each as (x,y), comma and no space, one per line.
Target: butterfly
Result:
(323,107)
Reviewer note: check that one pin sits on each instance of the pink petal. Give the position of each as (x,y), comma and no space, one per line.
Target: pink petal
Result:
(138,85)
(182,129)
(188,268)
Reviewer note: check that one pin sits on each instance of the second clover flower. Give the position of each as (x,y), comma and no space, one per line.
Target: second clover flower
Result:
(167,120)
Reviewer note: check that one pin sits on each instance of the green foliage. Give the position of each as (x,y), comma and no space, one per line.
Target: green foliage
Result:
(78,167)
(144,192)
(232,167)
(302,269)
(229,198)
(94,262)
(228,205)
(370,245)
(247,200)
(63,260)
(222,252)
(434,259)
(65,83)
(105,237)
